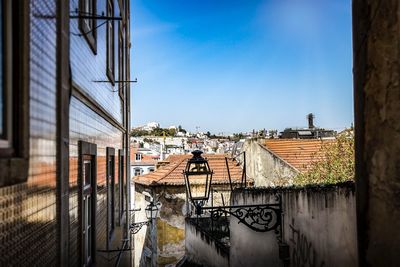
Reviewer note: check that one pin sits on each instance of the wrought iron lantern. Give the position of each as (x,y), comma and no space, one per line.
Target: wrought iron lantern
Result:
(152,210)
(198,177)
(259,217)
(151,213)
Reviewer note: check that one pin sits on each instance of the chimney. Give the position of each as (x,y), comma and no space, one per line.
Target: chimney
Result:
(310,118)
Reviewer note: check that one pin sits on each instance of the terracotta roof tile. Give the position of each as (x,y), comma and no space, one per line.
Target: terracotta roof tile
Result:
(299,153)
(171,174)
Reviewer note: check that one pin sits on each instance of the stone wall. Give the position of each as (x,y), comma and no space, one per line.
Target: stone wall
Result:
(264,167)
(319,226)
(376,50)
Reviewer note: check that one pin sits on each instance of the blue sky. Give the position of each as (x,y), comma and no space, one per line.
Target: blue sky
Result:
(230,66)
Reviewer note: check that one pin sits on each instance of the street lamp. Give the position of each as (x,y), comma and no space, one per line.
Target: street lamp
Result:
(152,210)
(259,217)
(198,177)
(151,214)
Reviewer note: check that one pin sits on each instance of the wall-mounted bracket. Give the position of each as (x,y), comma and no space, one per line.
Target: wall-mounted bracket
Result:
(121,81)
(260,218)
(134,228)
(84,15)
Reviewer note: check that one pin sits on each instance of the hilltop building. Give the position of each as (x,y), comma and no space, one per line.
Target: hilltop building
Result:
(148,126)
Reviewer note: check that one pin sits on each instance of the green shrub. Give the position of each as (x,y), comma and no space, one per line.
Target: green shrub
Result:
(333,164)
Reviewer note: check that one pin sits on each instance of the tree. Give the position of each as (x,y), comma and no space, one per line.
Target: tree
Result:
(237,136)
(273,133)
(136,133)
(333,164)
(171,132)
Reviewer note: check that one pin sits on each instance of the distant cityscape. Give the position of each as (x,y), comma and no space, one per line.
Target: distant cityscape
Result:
(151,144)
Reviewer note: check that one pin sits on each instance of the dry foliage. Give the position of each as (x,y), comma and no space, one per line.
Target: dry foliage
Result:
(333,164)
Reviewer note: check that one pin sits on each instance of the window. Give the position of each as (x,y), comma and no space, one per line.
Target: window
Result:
(6,101)
(121,182)
(138,156)
(87,198)
(2,93)
(110,171)
(14,91)
(121,63)
(138,172)
(88,25)
(110,42)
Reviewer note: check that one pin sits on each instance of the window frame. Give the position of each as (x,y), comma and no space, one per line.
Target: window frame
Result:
(137,170)
(6,50)
(110,47)
(121,62)
(90,34)
(110,182)
(14,153)
(89,150)
(122,183)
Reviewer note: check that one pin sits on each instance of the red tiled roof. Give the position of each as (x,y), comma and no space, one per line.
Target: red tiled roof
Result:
(171,174)
(299,153)
(175,158)
(149,159)
(144,162)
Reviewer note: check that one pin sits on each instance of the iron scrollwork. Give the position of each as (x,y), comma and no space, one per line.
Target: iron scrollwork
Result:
(260,218)
(135,227)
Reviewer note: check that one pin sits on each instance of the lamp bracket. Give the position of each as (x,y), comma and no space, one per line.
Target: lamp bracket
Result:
(260,218)
(134,228)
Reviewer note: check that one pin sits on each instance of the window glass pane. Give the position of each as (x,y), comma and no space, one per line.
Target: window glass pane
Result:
(89,228)
(122,183)
(110,194)
(87,172)
(85,233)
(2,98)
(110,38)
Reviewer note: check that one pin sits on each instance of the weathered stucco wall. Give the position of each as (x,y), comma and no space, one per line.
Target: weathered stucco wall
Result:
(266,168)
(202,250)
(248,247)
(144,249)
(319,226)
(169,232)
(171,225)
(376,50)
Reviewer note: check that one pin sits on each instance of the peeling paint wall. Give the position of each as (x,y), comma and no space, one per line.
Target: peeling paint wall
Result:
(248,247)
(171,226)
(170,229)
(143,249)
(266,168)
(319,227)
(376,50)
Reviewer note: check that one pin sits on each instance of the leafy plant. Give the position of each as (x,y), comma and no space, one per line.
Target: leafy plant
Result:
(334,163)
